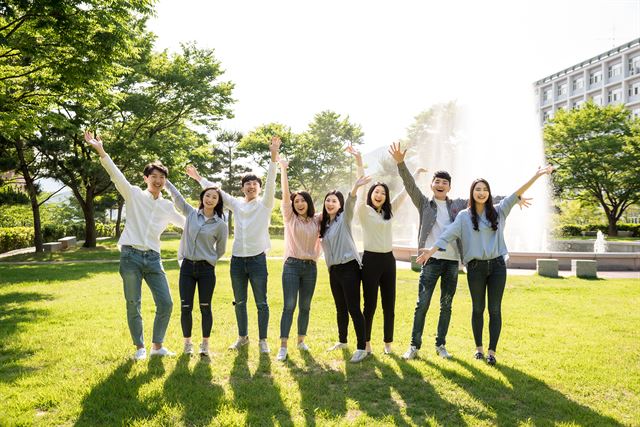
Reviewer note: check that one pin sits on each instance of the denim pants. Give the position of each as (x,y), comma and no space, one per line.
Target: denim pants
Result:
(298,283)
(244,270)
(487,277)
(202,275)
(447,272)
(136,265)
(345,288)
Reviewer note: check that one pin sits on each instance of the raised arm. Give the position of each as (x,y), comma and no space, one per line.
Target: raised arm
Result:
(285,206)
(409,182)
(270,185)
(178,200)
(547,170)
(228,200)
(399,199)
(360,201)
(117,177)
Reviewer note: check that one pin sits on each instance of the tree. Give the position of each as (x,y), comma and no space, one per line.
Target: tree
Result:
(597,150)
(159,110)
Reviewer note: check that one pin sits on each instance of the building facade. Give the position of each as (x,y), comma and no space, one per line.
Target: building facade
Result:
(613,77)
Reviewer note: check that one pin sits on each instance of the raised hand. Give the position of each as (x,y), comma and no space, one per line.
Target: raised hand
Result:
(396,153)
(362,181)
(354,152)
(421,170)
(274,147)
(193,173)
(548,170)
(95,143)
(524,202)
(284,163)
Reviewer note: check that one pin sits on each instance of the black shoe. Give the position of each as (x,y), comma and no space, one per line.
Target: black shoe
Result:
(491,360)
(479,355)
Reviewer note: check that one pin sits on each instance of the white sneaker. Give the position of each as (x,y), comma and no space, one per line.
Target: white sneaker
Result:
(188,348)
(359,355)
(204,349)
(442,352)
(337,346)
(388,349)
(264,346)
(302,346)
(282,354)
(241,341)
(162,352)
(140,354)
(412,353)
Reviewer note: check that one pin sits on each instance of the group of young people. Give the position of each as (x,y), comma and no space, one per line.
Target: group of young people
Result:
(471,230)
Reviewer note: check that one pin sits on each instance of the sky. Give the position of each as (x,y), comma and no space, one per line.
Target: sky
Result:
(382,63)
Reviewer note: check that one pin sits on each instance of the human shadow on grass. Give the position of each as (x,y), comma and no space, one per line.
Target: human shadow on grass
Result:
(322,389)
(16,309)
(527,400)
(258,394)
(194,391)
(382,391)
(115,400)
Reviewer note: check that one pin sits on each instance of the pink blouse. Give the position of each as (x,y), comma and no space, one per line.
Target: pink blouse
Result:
(301,236)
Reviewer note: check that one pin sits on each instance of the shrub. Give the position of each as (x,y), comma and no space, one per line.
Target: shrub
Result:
(15,238)
(571,230)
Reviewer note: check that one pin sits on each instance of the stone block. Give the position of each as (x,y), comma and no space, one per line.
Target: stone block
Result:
(547,267)
(52,247)
(584,269)
(68,242)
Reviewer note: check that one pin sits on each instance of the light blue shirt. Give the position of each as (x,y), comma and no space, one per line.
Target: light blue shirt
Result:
(337,243)
(483,244)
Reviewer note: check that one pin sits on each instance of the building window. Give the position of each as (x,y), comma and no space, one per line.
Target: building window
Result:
(635,112)
(615,70)
(577,104)
(595,77)
(634,65)
(562,89)
(546,115)
(578,83)
(546,95)
(615,95)
(634,90)
(597,99)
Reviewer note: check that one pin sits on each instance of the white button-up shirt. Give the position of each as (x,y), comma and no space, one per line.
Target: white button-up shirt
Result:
(251,219)
(146,217)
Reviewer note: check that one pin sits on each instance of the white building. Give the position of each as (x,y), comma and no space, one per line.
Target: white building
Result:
(613,77)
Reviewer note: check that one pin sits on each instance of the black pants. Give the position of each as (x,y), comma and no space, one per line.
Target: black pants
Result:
(487,277)
(203,275)
(379,271)
(345,287)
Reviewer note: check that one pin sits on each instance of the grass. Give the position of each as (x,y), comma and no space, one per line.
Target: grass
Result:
(569,354)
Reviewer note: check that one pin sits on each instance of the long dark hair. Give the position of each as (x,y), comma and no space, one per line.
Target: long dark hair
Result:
(325,215)
(489,209)
(386,206)
(311,210)
(217,209)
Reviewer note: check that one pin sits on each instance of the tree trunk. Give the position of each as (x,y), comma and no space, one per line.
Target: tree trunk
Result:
(33,197)
(89,221)
(613,225)
(119,219)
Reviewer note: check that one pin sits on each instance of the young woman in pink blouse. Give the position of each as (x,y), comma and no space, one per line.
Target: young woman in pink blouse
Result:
(301,250)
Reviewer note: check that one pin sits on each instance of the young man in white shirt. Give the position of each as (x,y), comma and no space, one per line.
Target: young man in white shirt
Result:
(148,215)
(252,216)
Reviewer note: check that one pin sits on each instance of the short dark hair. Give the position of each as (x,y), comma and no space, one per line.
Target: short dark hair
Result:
(443,175)
(250,177)
(311,210)
(155,166)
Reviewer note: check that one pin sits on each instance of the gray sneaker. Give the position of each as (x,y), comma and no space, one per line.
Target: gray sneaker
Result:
(442,352)
(188,348)
(359,356)
(140,354)
(264,346)
(412,353)
(204,349)
(241,341)
(162,352)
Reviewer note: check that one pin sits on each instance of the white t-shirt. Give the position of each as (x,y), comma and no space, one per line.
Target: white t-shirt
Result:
(442,220)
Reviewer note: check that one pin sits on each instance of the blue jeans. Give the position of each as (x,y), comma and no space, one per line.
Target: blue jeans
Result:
(447,271)
(244,270)
(487,277)
(298,283)
(136,265)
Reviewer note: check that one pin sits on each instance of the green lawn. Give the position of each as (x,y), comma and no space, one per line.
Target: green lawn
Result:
(569,355)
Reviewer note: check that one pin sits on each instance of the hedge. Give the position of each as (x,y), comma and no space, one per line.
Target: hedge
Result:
(577,229)
(22,237)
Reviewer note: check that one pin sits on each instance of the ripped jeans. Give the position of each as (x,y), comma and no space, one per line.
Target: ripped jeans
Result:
(203,275)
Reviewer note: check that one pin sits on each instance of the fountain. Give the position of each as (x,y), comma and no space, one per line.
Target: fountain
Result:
(600,245)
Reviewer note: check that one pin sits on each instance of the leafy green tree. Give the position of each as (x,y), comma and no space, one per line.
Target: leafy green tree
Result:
(597,150)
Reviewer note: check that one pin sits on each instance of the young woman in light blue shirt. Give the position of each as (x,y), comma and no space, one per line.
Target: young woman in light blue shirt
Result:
(480,228)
